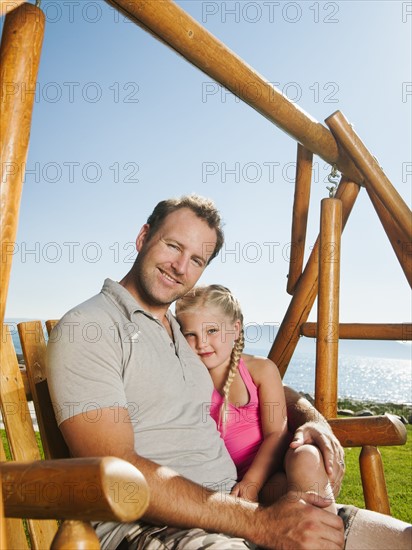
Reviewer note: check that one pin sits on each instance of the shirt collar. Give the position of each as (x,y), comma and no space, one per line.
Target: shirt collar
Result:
(128,304)
(121,297)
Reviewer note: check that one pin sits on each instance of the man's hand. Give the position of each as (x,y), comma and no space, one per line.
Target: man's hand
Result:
(321,435)
(292,524)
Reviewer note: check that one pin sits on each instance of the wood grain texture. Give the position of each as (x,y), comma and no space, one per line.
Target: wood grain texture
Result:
(20,51)
(402,246)
(34,351)
(369,430)
(327,342)
(299,215)
(375,178)
(19,428)
(365,331)
(373,480)
(306,290)
(89,489)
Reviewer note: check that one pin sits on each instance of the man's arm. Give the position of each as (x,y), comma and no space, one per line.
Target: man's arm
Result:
(176,501)
(309,426)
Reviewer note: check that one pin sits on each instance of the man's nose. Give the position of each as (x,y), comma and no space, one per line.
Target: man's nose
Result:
(180,264)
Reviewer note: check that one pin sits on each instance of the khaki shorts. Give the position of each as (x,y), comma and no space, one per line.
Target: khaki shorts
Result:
(139,536)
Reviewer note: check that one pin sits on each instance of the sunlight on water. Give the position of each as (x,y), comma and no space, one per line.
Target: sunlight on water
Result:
(363,378)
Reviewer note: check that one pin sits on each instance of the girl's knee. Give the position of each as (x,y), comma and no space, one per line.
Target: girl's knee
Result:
(307,455)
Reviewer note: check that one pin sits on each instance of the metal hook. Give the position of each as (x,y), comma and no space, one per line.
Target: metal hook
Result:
(333,182)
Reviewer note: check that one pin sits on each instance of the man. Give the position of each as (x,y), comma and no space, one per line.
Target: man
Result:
(125,383)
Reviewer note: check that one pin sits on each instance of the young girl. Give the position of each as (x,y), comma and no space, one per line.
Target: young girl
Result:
(248,402)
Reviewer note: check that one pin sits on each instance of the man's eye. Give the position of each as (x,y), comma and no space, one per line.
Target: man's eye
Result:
(197,262)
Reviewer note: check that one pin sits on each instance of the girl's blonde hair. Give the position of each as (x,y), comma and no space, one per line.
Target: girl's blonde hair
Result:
(219,297)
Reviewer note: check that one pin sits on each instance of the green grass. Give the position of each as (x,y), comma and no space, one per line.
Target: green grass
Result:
(397,463)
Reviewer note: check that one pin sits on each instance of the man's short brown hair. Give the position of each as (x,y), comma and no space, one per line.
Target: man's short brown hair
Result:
(204,209)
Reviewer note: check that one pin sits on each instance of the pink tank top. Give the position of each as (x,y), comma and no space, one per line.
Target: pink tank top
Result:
(242,432)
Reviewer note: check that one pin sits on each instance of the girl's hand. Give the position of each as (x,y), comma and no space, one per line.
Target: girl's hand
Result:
(248,490)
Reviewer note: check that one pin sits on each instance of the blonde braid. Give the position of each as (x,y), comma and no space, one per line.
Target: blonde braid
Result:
(217,296)
(234,364)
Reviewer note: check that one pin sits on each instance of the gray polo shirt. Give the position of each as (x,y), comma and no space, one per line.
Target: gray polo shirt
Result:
(108,353)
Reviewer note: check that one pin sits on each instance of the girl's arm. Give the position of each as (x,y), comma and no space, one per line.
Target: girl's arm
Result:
(276,438)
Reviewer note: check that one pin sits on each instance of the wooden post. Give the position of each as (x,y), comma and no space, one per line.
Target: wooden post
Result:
(326,379)
(79,531)
(172,25)
(399,241)
(299,215)
(13,533)
(8,5)
(19,59)
(373,480)
(374,177)
(19,427)
(306,290)
(365,331)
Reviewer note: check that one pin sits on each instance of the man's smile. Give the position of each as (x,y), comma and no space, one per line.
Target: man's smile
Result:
(169,277)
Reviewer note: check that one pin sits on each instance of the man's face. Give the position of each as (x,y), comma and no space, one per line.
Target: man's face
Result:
(171,261)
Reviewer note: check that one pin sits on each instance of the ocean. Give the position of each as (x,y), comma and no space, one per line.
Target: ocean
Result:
(385,379)
(379,379)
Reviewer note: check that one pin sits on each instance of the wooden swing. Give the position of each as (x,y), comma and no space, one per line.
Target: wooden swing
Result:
(339,146)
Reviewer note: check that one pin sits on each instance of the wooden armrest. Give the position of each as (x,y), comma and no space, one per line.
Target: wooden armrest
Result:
(371,430)
(90,489)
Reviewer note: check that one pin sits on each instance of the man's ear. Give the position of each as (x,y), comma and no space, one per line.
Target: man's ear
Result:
(141,237)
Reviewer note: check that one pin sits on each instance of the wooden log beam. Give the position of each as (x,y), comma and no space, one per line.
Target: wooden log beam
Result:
(299,215)
(374,177)
(365,331)
(399,241)
(306,290)
(20,50)
(173,26)
(327,343)
(92,489)
(373,480)
(369,430)
(8,5)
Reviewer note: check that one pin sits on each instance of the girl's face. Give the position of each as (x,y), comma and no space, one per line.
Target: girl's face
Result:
(210,334)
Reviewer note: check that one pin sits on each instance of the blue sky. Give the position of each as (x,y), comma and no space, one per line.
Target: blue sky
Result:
(121,122)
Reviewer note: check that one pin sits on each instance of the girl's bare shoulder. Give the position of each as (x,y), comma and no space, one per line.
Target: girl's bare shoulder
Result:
(259,367)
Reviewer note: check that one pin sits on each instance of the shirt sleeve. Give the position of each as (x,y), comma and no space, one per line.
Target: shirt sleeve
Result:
(85,366)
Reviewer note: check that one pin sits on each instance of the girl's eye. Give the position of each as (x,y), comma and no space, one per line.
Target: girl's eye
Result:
(212,331)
